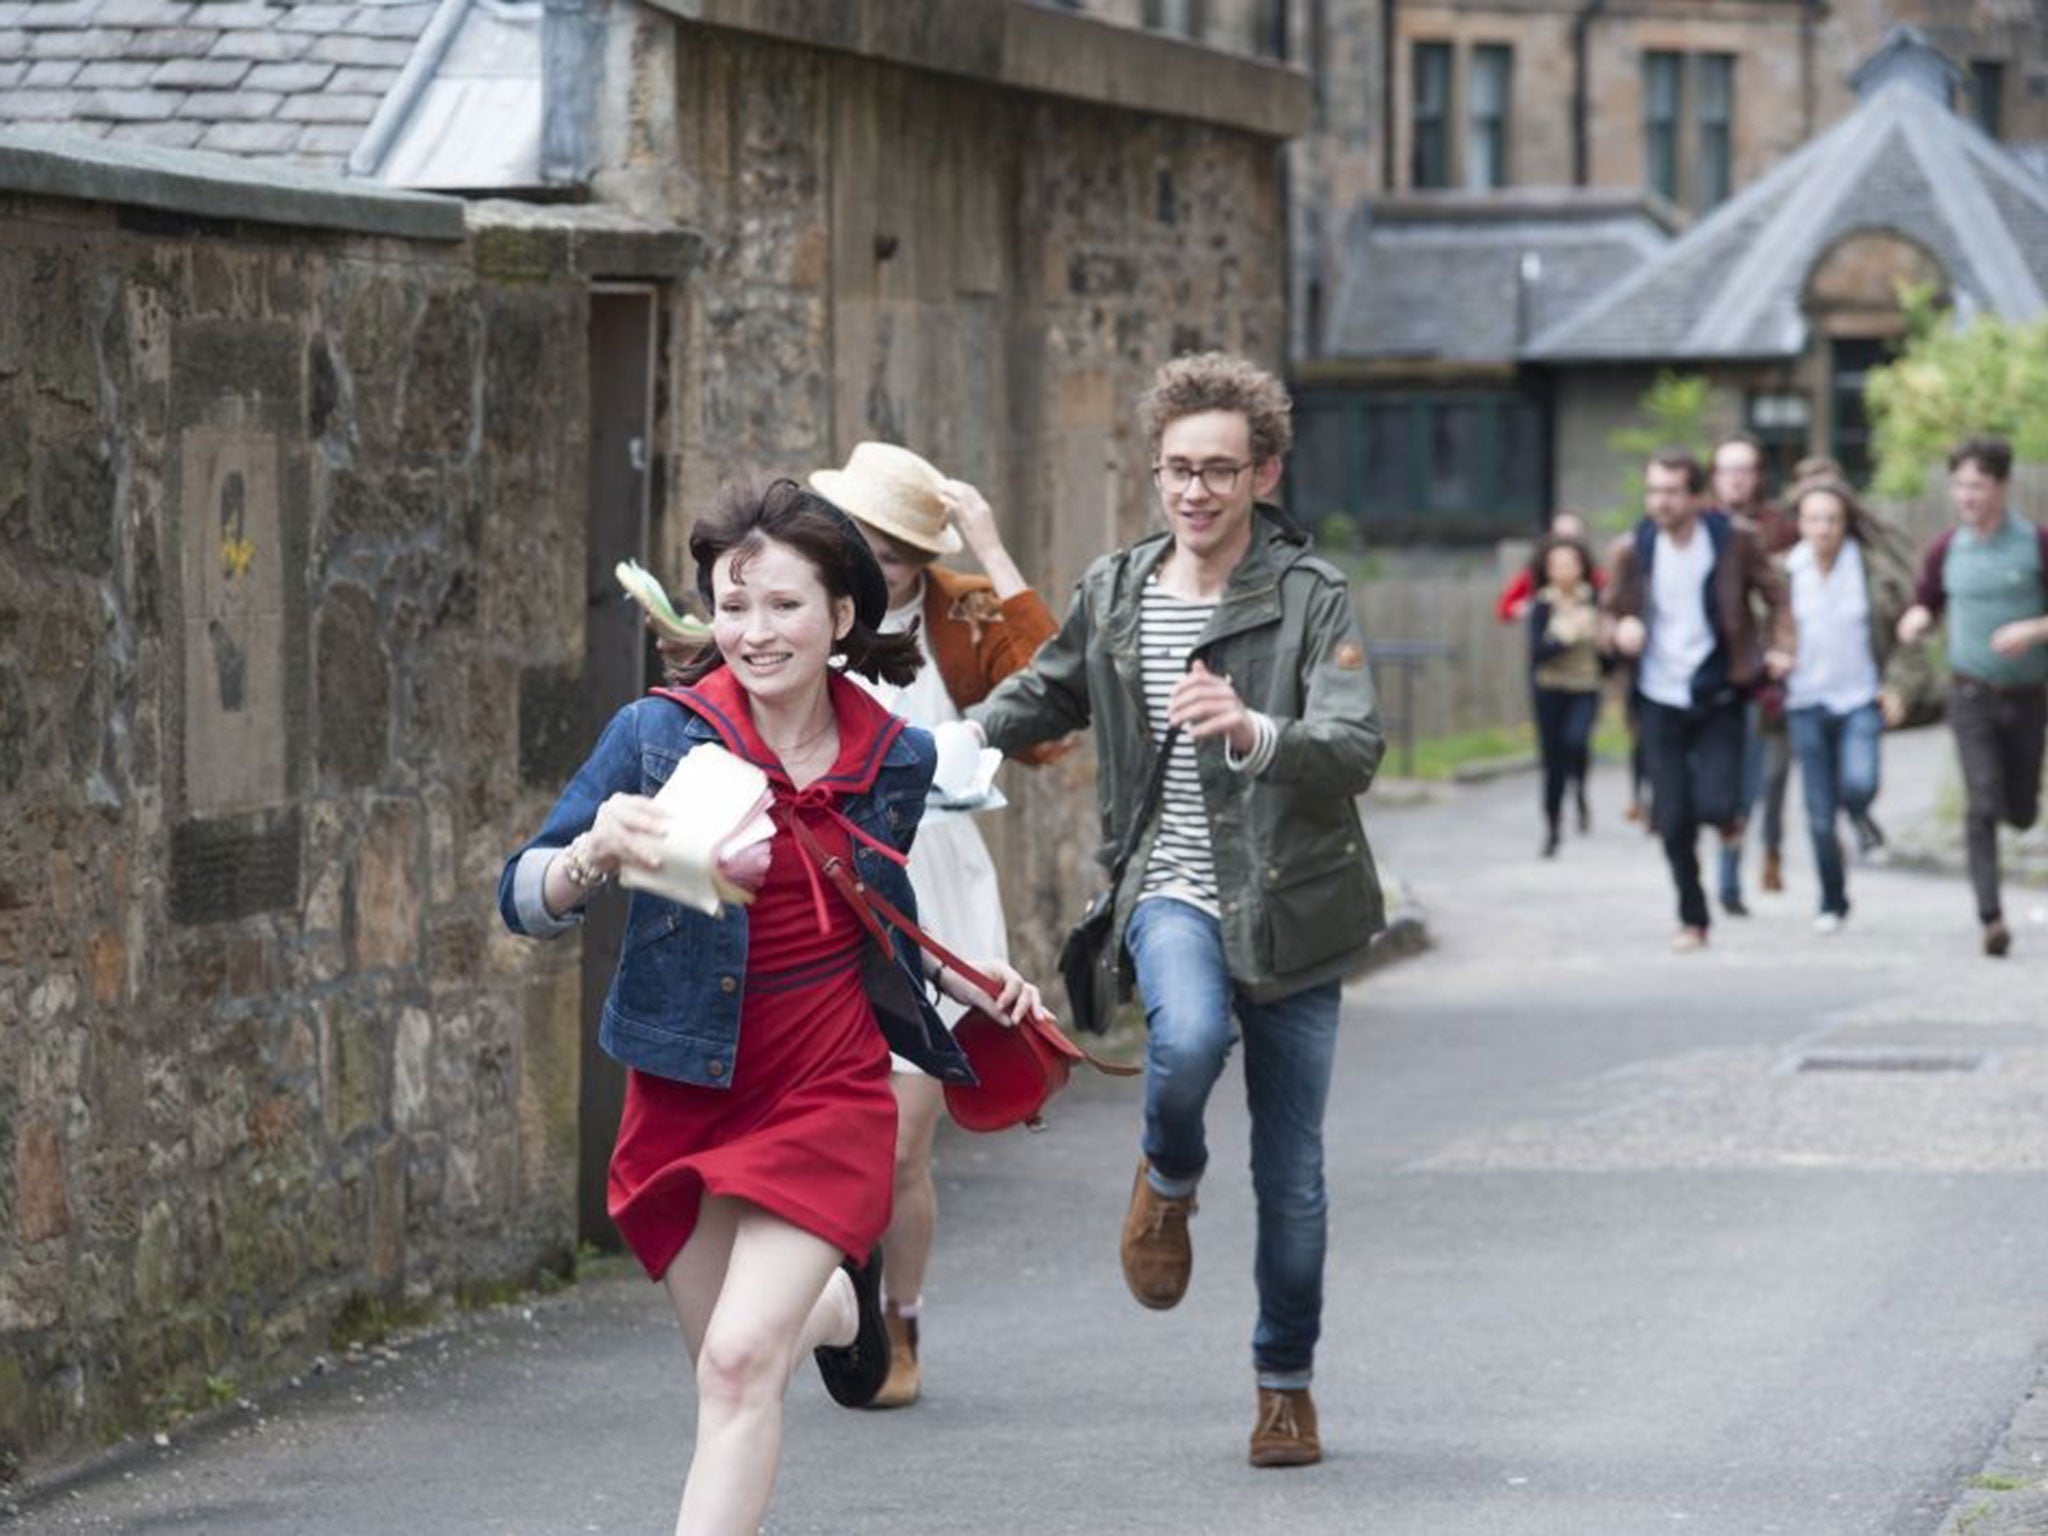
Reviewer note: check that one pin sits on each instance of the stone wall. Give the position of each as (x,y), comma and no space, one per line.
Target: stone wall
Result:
(282,512)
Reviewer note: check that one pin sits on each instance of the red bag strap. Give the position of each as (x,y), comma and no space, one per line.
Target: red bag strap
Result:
(875,909)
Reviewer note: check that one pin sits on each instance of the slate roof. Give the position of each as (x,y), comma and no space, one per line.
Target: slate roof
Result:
(1460,277)
(1901,163)
(297,80)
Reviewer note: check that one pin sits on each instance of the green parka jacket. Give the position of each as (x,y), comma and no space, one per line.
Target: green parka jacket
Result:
(1299,895)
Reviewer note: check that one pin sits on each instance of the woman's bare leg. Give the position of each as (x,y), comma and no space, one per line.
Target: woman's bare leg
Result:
(907,1245)
(775,1301)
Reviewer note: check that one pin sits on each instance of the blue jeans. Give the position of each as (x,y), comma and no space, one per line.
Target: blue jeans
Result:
(1837,772)
(1289,1044)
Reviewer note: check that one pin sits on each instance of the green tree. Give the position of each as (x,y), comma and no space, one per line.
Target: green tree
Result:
(1671,414)
(1954,381)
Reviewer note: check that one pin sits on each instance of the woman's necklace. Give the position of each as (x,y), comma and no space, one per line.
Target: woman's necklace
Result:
(797,749)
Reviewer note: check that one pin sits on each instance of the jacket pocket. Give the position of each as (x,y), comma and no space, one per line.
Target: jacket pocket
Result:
(1313,915)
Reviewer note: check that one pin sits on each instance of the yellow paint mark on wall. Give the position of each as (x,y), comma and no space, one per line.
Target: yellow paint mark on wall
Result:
(235,555)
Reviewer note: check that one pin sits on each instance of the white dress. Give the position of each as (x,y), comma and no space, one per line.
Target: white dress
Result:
(958,901)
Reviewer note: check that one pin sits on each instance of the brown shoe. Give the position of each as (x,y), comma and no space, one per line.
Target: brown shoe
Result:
(1285,1434)
(1774,870)
(1156,1253)
(905,1377)
(1997,940)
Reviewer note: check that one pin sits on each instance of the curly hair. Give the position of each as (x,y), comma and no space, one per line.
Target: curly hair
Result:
(1219,381)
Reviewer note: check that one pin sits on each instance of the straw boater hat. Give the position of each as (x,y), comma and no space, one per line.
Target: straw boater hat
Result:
(895,492)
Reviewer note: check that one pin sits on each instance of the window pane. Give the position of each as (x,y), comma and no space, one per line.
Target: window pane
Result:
(1386,461)
(1486,136)
(1432,88)
(1987,89)
(1319,463)
(1660,123)
(1522,486)
(1716,81)
(1454,456)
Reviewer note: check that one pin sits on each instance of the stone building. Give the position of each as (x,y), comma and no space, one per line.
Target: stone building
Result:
(310,486)
(1472,156)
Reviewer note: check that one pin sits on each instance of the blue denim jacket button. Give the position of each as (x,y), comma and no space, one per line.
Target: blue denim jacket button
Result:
(715,1067)
(727,984)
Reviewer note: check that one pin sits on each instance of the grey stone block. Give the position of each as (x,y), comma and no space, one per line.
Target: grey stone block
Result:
(305,75)
(12,12)
(133,106)
(221,870)
(231,106)
(251,138)
(259,45)
(10,74)
(125,73)
(171,135)
(328,109)
(360,50)
(47,74)
(201,74)
(110,43)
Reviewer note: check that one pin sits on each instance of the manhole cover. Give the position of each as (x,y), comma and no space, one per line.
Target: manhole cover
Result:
(1890,1061)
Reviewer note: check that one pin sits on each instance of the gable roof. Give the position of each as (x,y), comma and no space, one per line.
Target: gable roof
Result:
(294,80)
(1902,163)
(1468,278)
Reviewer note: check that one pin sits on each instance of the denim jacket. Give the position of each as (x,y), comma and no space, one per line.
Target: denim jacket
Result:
(674,1004)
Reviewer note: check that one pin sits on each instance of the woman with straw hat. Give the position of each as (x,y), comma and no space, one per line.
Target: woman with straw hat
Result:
(974,631)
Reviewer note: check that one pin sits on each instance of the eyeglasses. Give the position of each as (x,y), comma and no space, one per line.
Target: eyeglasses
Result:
(1219,476)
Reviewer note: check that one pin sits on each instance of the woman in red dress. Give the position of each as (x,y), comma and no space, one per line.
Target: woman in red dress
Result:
(754,1162)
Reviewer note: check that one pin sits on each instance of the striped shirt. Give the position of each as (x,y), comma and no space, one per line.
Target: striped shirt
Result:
(1181,864)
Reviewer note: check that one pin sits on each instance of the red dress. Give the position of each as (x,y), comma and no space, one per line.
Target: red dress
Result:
(808,1128)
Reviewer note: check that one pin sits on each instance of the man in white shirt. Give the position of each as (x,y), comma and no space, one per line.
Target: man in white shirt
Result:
(1680,600)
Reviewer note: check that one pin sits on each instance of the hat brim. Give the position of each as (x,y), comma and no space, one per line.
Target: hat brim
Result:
(856,498)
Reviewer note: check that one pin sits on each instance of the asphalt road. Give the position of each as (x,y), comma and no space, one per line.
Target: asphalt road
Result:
(1604,1260)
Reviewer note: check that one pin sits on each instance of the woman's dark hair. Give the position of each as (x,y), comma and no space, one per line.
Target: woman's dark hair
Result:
(1539,563)
(744,518)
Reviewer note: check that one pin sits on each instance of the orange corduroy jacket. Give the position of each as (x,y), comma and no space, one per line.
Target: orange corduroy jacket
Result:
(978,640)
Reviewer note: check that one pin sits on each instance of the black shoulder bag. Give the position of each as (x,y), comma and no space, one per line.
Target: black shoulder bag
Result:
(1090,965)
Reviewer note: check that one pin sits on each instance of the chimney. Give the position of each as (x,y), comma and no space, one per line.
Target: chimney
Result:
(1906,55)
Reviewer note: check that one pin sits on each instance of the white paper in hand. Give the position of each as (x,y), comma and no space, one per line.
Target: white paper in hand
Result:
(716,804)
(964,779)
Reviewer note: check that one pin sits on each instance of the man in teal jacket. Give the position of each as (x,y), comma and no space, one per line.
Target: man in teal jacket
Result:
(1251,891)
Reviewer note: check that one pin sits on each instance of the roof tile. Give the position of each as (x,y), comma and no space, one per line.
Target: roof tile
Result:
(123,72)
(318,18)
(173,135)
(259,45)
(142,13)
(361,78)
(330,138)
(406,21)
(59,13)
(172,43)
(360,50)
(301,76)
(53,72)
(249,13)
(11,73)
(201,74)
(265,138)
(41,106)
(328,108)
(231,106)
(110,44)
(132,106)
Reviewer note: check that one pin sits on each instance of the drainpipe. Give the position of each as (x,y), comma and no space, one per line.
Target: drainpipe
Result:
(1389,48)
(1582,108)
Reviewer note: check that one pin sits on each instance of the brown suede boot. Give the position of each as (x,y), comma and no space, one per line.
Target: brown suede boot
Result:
(1285,1433)
(906,1378)
(1156,1253)
(1774,870)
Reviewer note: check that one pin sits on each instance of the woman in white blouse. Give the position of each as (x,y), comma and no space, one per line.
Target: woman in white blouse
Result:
(1847,593)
